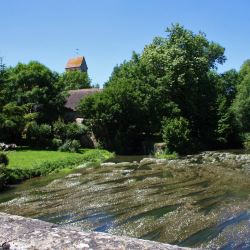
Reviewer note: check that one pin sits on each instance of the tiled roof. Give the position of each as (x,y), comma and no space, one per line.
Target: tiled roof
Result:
(75,62)
(75,96)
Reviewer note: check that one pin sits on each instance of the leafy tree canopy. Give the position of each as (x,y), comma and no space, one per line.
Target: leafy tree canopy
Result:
(34,84)
(74,80)
(241,105)
(174,76)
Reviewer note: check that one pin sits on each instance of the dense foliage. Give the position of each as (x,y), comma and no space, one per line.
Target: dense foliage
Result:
(58,135)
(32,99)
(172,91)
(173,80)
(241,104)
(4,161)
(74,80)
(176,134)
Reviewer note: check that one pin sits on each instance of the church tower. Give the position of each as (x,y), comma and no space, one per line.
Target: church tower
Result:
(76,63)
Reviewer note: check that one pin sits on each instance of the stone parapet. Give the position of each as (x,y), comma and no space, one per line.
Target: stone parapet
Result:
(24,233)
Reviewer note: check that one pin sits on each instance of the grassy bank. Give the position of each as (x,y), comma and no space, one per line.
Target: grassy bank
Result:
(167,156)
(27,163)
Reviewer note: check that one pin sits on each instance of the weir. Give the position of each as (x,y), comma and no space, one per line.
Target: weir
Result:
(200,201)
(18,232)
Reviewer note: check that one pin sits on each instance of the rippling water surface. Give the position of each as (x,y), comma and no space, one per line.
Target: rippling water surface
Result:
(193,205)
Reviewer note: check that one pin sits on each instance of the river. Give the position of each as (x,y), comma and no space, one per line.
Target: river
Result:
(185,202)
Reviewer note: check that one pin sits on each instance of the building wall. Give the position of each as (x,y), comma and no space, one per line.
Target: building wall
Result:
(82,68)
(73,69)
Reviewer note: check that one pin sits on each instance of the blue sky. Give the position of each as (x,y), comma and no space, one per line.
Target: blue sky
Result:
(107,31)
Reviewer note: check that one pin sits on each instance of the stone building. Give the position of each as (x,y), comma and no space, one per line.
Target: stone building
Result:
(76,63)
(72,101)
(71,114)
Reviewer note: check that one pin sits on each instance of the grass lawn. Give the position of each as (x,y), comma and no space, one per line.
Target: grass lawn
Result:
(26,163)
(30,159)
(27,159)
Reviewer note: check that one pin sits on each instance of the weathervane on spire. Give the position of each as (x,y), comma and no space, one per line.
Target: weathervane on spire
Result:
(77,52)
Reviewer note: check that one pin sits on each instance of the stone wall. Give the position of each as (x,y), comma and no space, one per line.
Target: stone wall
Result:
(17,232)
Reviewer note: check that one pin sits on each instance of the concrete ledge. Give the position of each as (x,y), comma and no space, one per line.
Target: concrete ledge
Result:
(26,233)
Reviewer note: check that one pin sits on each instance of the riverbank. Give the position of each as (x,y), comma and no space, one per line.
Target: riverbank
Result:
(238,159)
(28,163)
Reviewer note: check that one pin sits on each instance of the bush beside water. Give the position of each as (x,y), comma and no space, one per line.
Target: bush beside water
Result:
(70,146)
(3,163)
(59,135)
(166,155)
(176,134)
(4,159)
(246,141)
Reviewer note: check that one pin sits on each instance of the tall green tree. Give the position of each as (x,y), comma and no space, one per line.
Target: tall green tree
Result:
(28,92)
(241,105)
(182,65)
(226,131)
(3,79)
(174,76)
(74,80)
(12,122)
(36,85)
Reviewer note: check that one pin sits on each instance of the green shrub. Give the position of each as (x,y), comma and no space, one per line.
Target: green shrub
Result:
(70,131)
(4,159)
(39,135)
(246,141)
(163,153)
(2,175)
(75,131)
(71,146)
(247,145)
(56,143)
(55,166)
(166,155)
(45,130)
(176,134)
(60,130)
(32,131)
(15,175)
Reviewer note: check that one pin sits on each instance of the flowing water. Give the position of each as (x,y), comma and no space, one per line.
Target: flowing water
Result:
(196,205)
